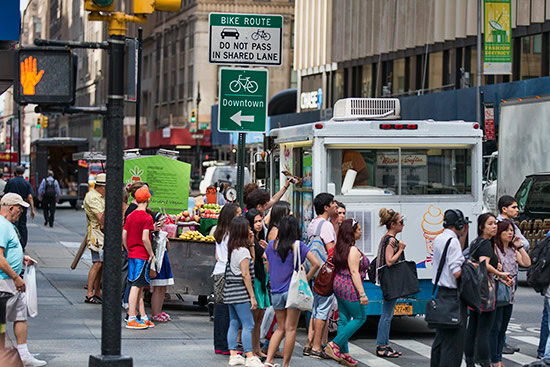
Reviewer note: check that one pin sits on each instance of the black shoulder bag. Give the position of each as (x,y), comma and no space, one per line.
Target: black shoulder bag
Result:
(443,309)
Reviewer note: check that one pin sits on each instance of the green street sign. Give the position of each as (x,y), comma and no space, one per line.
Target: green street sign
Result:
(243,100)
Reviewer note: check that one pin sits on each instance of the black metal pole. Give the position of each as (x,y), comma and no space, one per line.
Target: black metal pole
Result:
(240,168)
(19,135)
(110,319)
(11,146)
(198,151)
(138,87)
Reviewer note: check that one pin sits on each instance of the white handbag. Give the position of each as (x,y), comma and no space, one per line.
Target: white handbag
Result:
(299,292)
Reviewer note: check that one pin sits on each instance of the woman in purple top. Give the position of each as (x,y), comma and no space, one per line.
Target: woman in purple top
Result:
(280,257)
(351,269)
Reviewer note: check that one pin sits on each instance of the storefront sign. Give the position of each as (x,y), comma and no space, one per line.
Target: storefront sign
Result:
(8,157)
(489,121)
(498,37)
(311,100)
(411,160)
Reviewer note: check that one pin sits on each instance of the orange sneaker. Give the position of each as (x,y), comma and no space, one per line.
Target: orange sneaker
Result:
(136,324)
(148,323)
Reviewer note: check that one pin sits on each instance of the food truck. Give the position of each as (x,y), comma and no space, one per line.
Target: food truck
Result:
(370,159)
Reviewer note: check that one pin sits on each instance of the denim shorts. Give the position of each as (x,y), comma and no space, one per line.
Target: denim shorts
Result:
(97,256)
(321,307)
(279,300)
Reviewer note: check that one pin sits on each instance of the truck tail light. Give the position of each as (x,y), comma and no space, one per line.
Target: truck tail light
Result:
(476,126)
(398,127)
(319,126)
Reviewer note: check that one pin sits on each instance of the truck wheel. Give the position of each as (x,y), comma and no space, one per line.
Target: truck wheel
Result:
(73,204)
(203,301)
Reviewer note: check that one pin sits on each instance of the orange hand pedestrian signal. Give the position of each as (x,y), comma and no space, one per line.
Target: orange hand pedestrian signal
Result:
(29,75)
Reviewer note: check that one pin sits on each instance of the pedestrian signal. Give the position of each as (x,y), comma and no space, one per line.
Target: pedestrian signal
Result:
(193,117)
(44,76)
(149,6)
(39,121)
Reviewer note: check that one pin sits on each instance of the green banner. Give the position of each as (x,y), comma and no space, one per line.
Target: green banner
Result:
(497,53)
(167,178)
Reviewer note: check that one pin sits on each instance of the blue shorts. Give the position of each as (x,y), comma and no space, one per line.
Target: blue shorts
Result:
(321,306)
(279,300)
(138,272)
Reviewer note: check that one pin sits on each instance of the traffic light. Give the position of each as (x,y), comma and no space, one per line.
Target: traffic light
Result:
(44,121)
(38,121)
(193,117)
(149,6)
(107,6)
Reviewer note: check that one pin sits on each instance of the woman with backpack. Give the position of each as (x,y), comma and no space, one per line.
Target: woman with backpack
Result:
(390,251)
(351,268)
(238,292)
(511,252)
(221,311)
(482,249)
(261,279)
(280,256)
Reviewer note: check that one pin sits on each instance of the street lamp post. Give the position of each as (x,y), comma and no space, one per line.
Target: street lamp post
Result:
(197,141)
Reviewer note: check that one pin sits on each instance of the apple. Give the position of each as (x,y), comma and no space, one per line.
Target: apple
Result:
(196,218)
(187,219)
(186,213)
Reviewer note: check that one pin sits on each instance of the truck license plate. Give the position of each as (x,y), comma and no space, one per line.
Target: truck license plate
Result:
(403,309)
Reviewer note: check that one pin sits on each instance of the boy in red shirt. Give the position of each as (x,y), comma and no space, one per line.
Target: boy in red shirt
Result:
(136,237)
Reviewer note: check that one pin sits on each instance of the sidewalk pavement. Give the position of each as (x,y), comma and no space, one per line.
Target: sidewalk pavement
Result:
(67,330)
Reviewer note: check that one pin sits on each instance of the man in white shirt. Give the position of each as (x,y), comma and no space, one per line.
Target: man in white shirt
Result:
(448,345)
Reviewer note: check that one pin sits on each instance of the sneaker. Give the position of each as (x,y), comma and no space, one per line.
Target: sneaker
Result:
(30,361)
(237,360)
(508,349)
(253,362)
(148,323)
(135,324)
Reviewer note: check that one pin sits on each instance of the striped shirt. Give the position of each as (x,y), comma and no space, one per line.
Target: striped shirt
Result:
(235,290)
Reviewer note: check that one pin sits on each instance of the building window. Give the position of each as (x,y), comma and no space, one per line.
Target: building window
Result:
(191,35)
(398,84)
(531,53)
(366,85)
(173,86)
(183,35)
(174,41)
(145,67)
(165,87)
(159,47)
(190,82)
(181,86)
(167,40)
(337,85)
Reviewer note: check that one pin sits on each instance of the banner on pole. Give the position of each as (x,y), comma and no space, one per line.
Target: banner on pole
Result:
(497,53)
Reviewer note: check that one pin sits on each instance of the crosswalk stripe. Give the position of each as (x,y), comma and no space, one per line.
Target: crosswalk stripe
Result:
(527,339)
(368,358)
(519,358)
(418,347)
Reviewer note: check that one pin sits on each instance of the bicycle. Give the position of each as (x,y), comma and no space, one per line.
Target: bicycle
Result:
(260,33)
(245,83)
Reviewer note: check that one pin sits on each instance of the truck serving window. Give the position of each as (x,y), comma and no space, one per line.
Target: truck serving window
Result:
(420,171)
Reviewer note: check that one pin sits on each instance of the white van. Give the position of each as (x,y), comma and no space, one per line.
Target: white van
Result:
(369,159)
(226,173)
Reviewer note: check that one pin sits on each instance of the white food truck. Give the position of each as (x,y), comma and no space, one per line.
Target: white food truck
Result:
(370,159)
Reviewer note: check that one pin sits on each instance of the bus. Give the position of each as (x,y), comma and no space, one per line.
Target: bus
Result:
(369,159)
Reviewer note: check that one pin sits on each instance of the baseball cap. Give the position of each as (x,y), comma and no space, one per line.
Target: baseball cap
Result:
(454,217)
(142,194)
(101,179)
(14,199)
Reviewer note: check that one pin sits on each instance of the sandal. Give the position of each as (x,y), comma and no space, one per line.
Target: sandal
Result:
(387,352)
(307,351)
(332,350)
(348,361)
(93,299)
(266,364)
(166,315)
(394,351)
(159,318)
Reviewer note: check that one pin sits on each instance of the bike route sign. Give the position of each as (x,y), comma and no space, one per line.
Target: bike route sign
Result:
(246,39)
(243,100)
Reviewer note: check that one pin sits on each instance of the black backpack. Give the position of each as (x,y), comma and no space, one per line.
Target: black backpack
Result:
(49,191)
(538,275)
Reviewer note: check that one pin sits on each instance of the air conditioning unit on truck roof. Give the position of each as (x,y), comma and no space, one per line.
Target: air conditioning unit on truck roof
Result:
(367,109)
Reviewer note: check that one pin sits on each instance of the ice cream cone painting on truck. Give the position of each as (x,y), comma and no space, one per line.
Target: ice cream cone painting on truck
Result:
(369,159)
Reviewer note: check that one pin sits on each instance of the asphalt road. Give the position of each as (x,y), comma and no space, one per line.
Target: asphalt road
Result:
(67,331)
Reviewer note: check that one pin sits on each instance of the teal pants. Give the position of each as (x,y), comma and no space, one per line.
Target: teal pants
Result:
(352,315)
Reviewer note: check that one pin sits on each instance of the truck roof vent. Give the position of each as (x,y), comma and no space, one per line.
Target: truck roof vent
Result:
(367,108)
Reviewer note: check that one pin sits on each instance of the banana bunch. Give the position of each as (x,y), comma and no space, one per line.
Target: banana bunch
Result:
(196,236)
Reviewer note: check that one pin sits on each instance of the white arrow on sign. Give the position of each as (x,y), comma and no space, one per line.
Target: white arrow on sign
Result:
(238,118)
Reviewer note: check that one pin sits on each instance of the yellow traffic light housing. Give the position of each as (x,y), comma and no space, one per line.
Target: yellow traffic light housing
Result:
(44,121)
(149,6)
(107,6)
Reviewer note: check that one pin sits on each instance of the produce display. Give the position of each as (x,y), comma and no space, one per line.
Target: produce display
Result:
(196,236)
(186,216)
(211,211)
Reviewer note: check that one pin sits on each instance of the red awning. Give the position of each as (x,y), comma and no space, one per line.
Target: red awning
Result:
(169,137)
